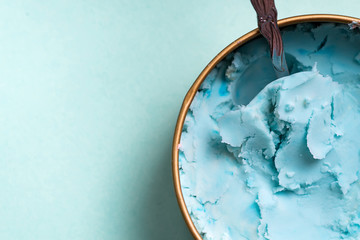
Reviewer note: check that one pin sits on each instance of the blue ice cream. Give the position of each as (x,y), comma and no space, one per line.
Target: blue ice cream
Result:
(285,165)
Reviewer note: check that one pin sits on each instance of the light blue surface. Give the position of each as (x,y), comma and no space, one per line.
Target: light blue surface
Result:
(89,95)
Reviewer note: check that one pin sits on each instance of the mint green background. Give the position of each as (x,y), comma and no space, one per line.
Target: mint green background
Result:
(89,96)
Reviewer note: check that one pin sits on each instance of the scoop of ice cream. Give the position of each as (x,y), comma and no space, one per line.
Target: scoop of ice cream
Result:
(299,140)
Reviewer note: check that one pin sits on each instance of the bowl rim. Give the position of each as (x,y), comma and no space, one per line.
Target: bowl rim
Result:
(331,18)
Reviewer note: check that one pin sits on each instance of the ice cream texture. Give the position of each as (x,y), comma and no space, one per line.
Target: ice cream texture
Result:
(285,164)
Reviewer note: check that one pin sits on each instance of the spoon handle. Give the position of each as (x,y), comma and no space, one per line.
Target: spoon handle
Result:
(267,22)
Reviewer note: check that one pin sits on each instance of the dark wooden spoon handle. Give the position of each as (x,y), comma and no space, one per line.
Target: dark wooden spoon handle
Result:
(267,22)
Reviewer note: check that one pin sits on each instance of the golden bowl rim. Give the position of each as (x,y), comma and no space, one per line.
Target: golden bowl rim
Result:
(331,18)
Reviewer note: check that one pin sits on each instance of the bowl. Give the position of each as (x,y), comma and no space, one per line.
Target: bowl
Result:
(317,18)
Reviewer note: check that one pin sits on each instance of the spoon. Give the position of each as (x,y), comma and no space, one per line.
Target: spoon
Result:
(257,76)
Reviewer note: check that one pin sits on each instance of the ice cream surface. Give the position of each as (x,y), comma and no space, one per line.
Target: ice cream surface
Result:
(283,164)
